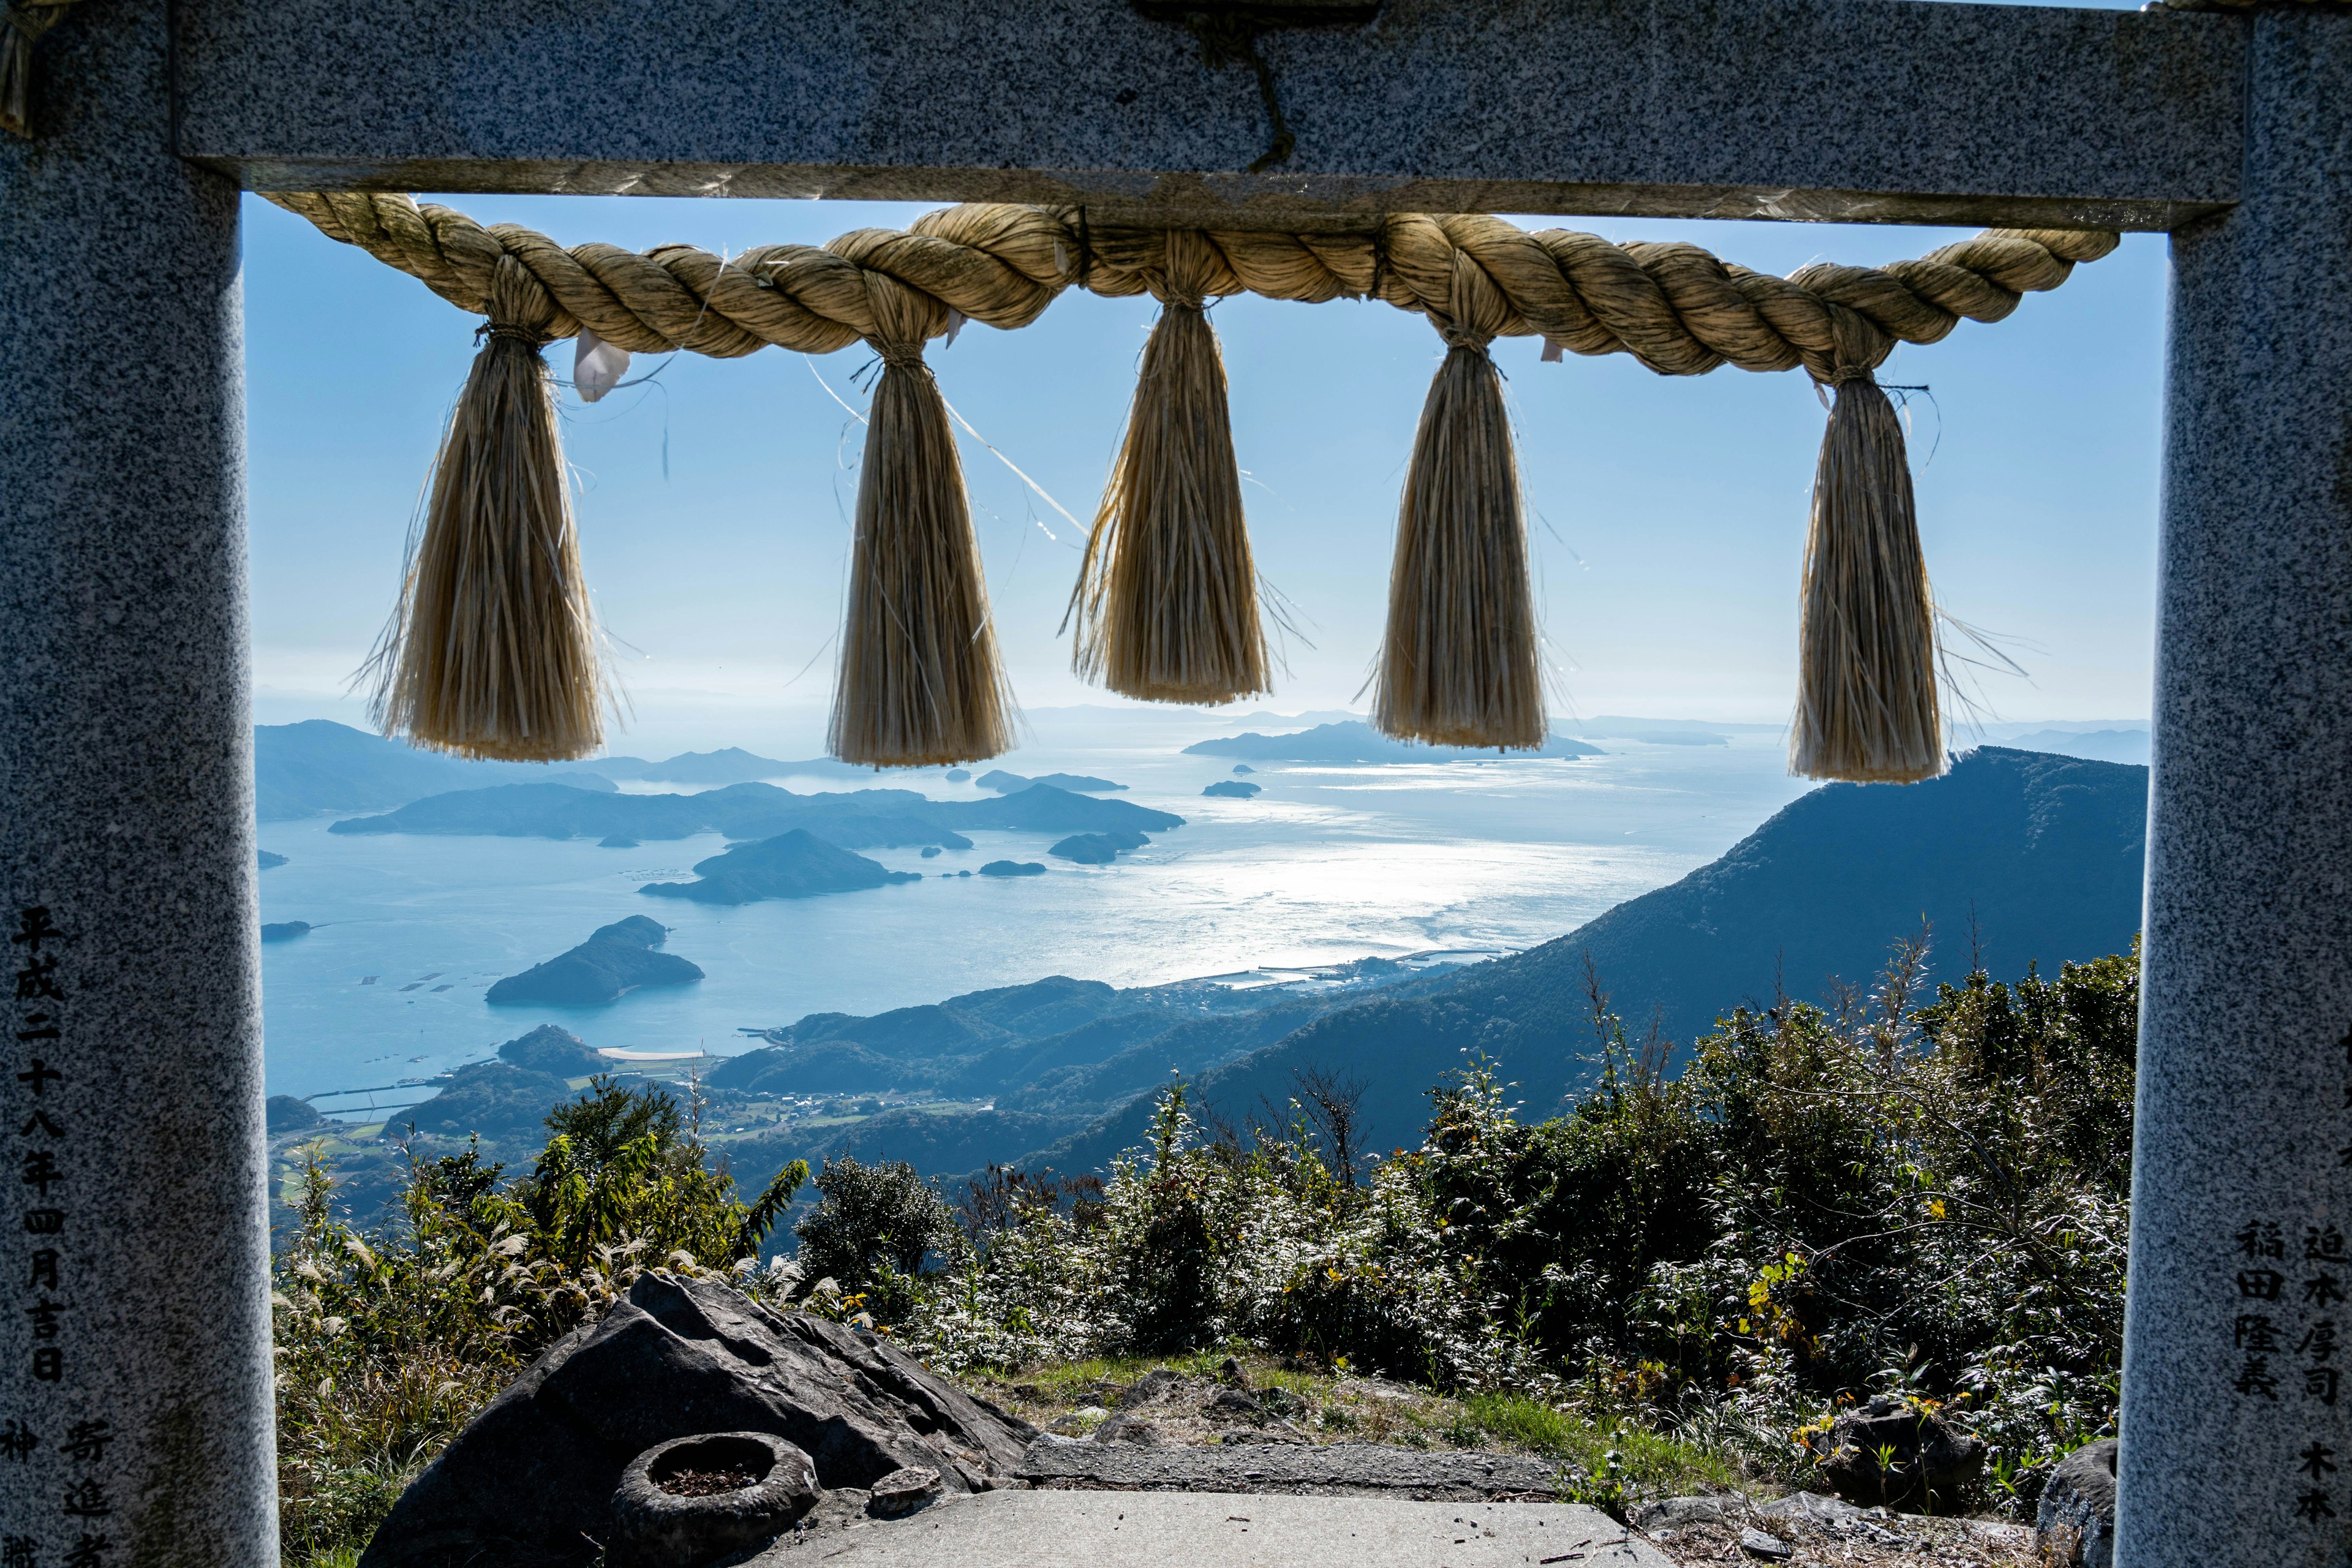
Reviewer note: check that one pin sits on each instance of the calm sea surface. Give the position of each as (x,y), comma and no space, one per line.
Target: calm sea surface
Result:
(1328,864)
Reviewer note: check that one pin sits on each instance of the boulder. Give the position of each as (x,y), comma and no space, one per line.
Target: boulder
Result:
(2076,1525)
(903,1491)
(530,1482)
(1930,1462)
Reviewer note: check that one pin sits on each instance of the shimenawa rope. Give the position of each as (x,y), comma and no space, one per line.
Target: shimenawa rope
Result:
(1458,664)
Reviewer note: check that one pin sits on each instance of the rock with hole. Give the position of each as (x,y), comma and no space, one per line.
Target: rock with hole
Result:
(529,1482)
(693,1500)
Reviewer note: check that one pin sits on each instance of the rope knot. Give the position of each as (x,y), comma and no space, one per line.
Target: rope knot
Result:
(899,356)
(1462,337)
(495,331)
(1843,374)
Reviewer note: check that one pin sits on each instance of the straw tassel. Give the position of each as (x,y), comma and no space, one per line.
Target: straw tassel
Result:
(1459,666)
(1166,601)
(1867,706)
(920,682)
(493,650)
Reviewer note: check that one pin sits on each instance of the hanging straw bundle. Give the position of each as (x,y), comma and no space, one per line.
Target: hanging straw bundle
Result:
(493,650)
(1866,697)
(1166,601)
(919,683)
(1459,666)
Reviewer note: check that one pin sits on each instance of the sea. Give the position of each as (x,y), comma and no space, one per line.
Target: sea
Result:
(1439,862)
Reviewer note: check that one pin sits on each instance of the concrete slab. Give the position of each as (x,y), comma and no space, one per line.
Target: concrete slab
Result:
(1343,1470)
(1212,1529)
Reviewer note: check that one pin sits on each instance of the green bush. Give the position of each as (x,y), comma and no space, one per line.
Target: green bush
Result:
(388,1343)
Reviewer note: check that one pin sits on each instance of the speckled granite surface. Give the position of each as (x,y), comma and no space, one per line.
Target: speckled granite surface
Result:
(134,1370)
(2237,1438)
(1886,109)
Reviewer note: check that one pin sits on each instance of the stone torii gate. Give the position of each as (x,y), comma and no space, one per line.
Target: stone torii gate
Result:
(135,1346)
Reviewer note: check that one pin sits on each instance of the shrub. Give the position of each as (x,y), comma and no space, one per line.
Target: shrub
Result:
(871,1231)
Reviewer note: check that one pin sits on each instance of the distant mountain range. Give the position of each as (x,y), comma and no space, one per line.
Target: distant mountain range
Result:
(320,766)
(2030,857)
(1354,741)
(848,819)
(2106,745)
(302,770)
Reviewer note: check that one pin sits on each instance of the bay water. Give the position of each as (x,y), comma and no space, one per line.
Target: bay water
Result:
(1328,864)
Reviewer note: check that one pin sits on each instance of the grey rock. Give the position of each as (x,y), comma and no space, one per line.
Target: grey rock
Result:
(1352,1470)
(1812,1507)
(1233,1405)
(1151,1387)
(677,1358)
(654,1527)
(1681,1513)
(1128,1427)
(903,1491)
(1771,1548)
(2075,1526)
(1282,1401)
(1929,1461)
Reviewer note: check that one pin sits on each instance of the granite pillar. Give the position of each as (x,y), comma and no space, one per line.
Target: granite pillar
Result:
(2237,1404)
(134,1334)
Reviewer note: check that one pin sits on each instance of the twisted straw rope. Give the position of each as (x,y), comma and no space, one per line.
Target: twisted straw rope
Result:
(1677,308)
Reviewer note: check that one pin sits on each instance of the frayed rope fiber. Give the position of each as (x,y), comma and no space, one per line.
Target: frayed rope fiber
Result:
(1867,708)
(920,683)
(493,650)
(1459,666)
(1166,601)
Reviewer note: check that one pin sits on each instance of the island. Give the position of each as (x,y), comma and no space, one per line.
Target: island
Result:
(549,1049)
(1003,783)
(1357,741)
(1012,869)
(794,865)
(615,961)
(847,819)
(1097,848)
(270,862)
(1234,789)
(617,841)
(285,931)
(284,1113)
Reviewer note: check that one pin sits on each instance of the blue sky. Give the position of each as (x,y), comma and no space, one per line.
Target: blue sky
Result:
(714,501)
